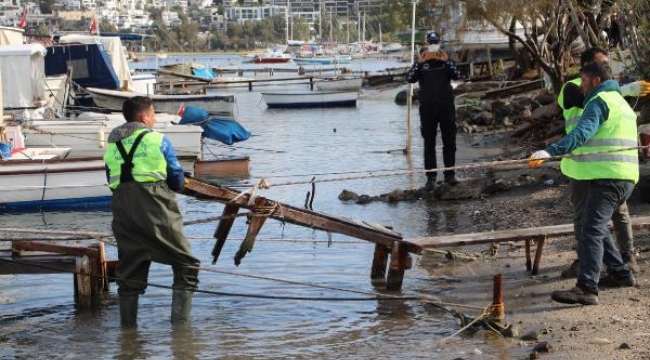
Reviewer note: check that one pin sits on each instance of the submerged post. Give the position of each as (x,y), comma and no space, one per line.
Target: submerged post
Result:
(498,310)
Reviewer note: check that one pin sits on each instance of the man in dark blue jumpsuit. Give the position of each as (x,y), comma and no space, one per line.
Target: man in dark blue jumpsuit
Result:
(434,71)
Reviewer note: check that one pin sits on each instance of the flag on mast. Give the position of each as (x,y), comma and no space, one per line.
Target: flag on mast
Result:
(93,25)
(23,19)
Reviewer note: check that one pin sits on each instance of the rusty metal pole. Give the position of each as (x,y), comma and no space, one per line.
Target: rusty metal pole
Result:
(497,298)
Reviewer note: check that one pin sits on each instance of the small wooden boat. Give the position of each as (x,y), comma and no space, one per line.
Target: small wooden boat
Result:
(44,179)
(310,99)
(215,104)
(222,167)
(339,84)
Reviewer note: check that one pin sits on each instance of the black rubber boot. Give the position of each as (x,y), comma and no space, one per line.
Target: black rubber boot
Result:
(181,307)
(129,311)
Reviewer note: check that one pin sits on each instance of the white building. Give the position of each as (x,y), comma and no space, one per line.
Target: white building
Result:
(241,14)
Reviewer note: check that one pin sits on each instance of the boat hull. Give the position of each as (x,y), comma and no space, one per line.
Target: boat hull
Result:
(215,104)
(271,60)
(310,99)
(224,167)
(323,61)
(353,84)
(29,185)
(87,136)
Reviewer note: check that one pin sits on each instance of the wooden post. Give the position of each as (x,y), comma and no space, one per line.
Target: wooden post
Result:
(529,264)
(538,255)
(83,287)
(379,264)
(489,58)
(498,310)
(398,264)
(223,229)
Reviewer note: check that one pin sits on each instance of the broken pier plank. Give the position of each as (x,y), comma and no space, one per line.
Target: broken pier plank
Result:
(525,234)
(387,241)
(297,216)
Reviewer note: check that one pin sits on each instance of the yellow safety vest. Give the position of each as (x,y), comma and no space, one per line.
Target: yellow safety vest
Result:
(617,132)
(149,164)
(571,115)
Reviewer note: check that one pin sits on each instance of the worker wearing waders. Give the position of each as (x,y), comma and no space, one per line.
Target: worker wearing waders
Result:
(142,171)
(434,71)
(571,101)
(603,154)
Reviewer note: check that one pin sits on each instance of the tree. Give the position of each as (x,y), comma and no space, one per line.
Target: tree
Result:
(549,28)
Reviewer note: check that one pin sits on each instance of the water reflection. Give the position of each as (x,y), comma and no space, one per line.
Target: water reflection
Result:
(131,345)
(443,219)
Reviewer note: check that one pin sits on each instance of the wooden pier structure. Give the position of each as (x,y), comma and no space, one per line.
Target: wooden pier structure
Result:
(388,243)
(391,257)
(87,264)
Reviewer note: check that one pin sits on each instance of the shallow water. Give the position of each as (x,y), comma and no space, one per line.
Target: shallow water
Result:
(37,315)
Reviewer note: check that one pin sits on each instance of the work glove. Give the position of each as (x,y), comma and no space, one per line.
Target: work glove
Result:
(538,158)
(636,89)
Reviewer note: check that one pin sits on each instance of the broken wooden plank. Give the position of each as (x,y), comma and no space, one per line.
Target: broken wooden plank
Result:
(536,233)
(223,229)
(254,227)
(296,215)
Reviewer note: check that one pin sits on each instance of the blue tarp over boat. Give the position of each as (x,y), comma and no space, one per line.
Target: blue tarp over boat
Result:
(90,65)
(225,130)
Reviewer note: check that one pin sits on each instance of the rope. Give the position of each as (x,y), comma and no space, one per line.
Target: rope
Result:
(460,167)
(483,315)
(375,296)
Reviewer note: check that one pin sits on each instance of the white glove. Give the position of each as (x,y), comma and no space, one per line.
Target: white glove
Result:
(636,89)
(538,158)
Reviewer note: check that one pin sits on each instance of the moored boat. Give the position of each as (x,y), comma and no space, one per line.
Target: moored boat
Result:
(339,84)
(339,59)
(87,134)
(271,59)
(310,99)
(216,104)
(43,179)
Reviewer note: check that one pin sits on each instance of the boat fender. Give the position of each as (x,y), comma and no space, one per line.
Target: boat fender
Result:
(101,136)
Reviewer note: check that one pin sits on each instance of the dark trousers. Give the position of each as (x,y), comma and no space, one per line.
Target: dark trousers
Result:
(596,245)
(433,114)
(620,219)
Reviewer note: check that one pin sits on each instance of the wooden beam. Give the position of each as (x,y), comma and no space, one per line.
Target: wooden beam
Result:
(639,222)
(513,90)
(223,229)
(294,215)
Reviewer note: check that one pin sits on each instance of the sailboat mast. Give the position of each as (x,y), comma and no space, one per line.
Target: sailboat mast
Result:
(364,27)
(330,39)
(286,23)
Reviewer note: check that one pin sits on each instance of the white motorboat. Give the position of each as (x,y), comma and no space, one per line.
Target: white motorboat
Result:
(310,99)
(45,179)
(87,134)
